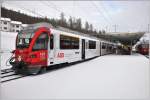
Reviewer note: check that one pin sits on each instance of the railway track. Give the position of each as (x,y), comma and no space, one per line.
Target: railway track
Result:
(9,75)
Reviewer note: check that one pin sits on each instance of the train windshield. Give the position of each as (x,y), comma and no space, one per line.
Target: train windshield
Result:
(145,46)
(24,38)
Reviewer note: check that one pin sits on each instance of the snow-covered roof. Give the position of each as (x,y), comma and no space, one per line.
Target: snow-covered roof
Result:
(16,22)
(24,25)
(5,19)
(145,37)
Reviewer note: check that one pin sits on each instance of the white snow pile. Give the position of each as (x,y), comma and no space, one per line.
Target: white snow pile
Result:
(7,45)
(7,41)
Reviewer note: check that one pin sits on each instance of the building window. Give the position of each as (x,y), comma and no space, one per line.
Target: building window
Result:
(92,44)
(5,23)
(17,26)
(17,30)
(68,42)
(5,28)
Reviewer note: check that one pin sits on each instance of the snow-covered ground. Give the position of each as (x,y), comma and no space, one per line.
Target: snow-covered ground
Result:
(106,77)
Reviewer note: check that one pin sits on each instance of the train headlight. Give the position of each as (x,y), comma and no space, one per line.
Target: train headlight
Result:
(19,58)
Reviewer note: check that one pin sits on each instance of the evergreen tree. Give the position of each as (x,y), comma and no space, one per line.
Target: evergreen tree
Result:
(78,24)
(91,27)
(103,32)
(62,21)
(86,26)
(70,23)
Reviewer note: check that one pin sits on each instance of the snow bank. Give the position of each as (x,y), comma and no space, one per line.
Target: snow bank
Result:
(7,45)
(8,41)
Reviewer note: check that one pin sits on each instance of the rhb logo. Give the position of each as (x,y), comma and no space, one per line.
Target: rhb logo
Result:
(60,55)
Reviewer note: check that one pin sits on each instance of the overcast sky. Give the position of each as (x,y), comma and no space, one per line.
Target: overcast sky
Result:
(129,16)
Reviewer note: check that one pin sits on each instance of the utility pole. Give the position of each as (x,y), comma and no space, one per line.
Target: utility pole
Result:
(106,28)
(131,48)
(115,27)
(148,28)
(149,40)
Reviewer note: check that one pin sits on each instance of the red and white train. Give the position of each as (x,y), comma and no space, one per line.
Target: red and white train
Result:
(143,48)
(40,45)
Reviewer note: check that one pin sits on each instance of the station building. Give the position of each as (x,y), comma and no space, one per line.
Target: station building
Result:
(7,25)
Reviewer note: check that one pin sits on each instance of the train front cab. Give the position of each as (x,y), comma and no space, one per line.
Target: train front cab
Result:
(143,49)
(31,52)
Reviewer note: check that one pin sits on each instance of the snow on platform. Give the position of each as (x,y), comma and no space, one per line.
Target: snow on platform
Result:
(106,77)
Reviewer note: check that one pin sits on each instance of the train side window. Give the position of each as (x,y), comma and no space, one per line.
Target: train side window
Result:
(41,42)
(51,41)
(68,42)
(64,42)
(74,43)
(92,44)
(86,45)
(103,46)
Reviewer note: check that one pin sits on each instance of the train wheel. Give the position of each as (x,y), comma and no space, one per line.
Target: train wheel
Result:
(42,70)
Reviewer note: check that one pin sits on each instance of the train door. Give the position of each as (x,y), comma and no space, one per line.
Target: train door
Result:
(51,50)
(100,48)
(83,49)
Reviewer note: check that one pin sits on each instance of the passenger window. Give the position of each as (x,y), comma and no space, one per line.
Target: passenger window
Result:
(51,41)
(103,46)
(42,42)
(92,44)
(86,45)
(68,42)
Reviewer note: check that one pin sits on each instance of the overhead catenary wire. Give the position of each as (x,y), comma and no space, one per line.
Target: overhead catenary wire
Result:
(108,14)
(106,11)
(100,12)
(53,6)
